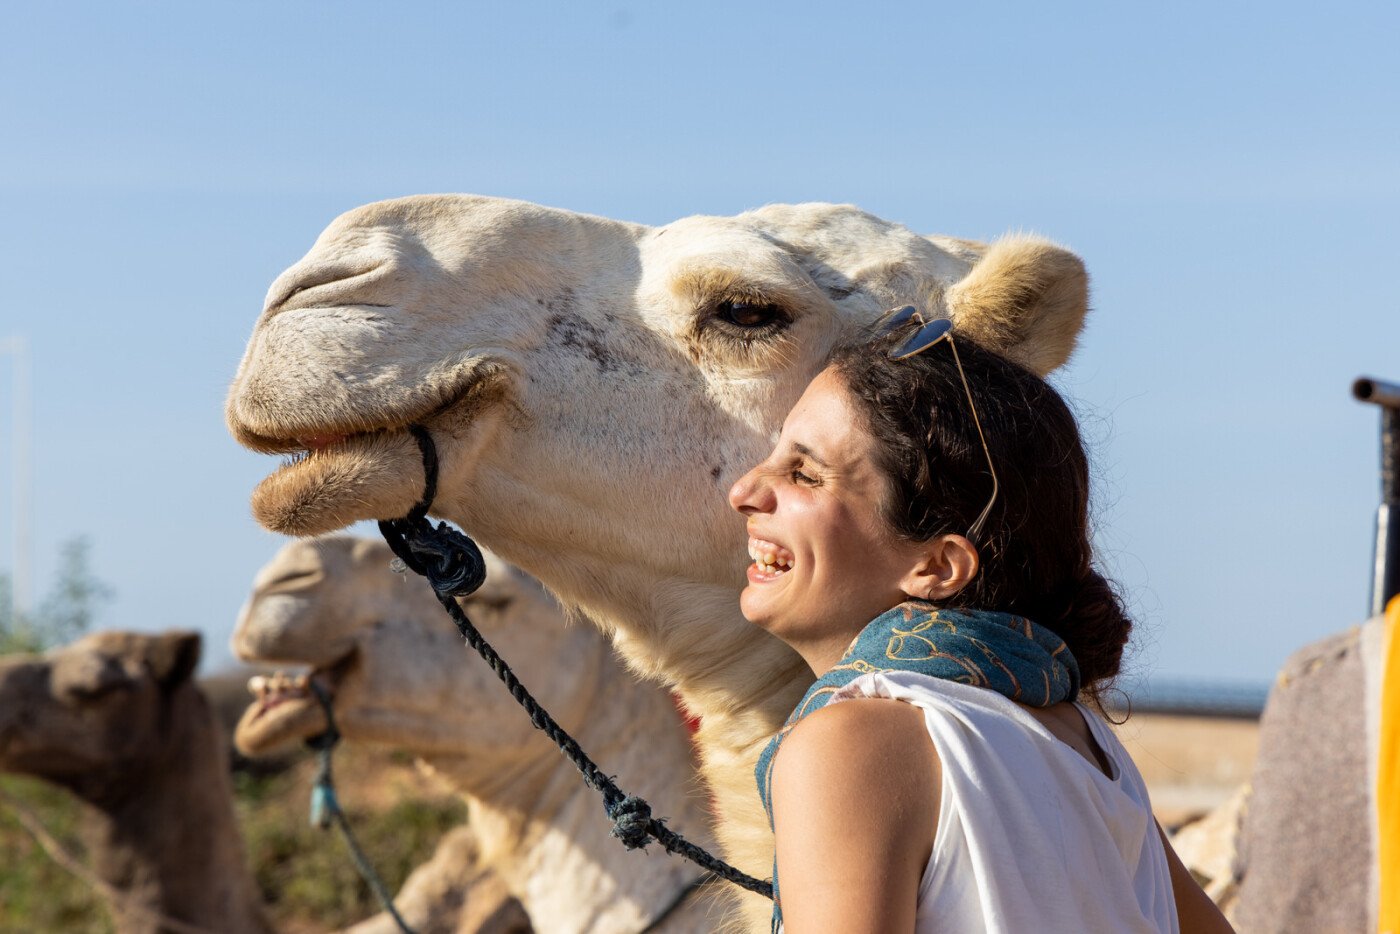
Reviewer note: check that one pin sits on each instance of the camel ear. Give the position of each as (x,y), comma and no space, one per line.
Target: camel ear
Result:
(1026,299)
(173,657)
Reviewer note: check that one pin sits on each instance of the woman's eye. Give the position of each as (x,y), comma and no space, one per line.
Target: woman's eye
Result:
(748,314)
(800,477)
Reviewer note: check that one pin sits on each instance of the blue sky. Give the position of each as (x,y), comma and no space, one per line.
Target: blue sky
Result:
(1229,172)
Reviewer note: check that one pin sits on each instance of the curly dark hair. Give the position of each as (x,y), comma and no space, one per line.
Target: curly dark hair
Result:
(1036,559)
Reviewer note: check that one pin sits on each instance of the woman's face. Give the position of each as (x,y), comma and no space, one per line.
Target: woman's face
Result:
(825,561)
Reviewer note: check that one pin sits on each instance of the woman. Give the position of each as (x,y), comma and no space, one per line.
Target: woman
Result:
(920,536)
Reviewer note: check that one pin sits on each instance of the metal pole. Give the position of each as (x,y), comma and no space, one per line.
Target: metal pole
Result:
(1385,573)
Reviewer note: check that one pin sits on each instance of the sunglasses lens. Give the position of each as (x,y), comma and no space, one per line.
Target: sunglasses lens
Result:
(897,319)
(928,335)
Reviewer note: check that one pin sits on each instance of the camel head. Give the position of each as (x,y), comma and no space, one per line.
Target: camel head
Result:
(393,662)
(95,712)
(593,386)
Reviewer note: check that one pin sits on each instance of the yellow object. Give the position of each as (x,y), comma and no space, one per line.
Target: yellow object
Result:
(1388,777)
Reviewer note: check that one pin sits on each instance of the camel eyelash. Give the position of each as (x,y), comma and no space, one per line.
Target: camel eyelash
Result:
(745,319)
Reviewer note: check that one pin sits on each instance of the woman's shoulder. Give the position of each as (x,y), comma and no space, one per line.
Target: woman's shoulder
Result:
(844,746)
(1001,726)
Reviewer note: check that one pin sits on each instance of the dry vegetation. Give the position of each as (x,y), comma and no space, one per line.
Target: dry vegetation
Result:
(305,874)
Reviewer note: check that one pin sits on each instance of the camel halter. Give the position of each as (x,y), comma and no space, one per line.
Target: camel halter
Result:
(454,568)
(326,811)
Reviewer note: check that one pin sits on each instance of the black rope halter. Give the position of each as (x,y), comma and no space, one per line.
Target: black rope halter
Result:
(454,568)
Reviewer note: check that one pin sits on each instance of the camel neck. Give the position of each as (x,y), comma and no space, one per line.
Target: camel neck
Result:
(520,777)
(166,833)
(565,861)
(725,668)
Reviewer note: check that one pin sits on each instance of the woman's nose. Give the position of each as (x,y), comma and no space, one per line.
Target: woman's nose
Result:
(751,493)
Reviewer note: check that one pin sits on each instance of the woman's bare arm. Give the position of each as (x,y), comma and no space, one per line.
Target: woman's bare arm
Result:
(1194,909)
(855,798)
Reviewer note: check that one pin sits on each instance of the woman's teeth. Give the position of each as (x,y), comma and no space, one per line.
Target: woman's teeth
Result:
(768,557)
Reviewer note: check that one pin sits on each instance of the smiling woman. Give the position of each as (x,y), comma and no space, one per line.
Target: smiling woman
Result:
(940,774)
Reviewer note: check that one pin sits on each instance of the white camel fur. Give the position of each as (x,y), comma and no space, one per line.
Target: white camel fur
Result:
(381,646)
(594,387)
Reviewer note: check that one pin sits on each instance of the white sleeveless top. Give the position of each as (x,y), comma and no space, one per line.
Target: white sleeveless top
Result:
(1031,836)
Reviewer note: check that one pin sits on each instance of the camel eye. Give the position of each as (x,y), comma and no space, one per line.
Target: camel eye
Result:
(749,314)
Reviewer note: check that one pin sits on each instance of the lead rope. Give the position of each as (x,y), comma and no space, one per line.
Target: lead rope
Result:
(454,568)
(325,808)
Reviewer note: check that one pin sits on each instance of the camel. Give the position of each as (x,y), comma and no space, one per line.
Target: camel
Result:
(398,675)
(1295,848)
(452,894)
(115,719)
(593,388)
(1307,856)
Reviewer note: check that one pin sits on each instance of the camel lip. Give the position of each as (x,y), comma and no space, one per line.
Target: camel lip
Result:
(308,440)
(325,679)
(317,442)
(298,454)
(373,473)
(287,716)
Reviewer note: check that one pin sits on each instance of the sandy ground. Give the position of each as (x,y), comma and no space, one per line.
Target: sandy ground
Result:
(1191,764)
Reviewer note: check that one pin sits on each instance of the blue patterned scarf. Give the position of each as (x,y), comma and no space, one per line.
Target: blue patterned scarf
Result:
(1008,654)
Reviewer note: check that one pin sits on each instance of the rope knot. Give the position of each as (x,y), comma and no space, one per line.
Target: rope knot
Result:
(450,560)
(631,819)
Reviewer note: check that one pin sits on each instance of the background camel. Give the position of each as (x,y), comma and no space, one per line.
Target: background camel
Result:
(452,894)
(395,665)
(594,387)
(116,720)
(1307,845)
(1294,848)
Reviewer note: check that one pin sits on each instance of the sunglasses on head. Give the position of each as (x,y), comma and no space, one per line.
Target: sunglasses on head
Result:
(929,334)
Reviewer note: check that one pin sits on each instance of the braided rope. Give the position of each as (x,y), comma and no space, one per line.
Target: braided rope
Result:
(454,568)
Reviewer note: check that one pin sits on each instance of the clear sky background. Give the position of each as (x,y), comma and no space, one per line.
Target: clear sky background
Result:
(1229,172)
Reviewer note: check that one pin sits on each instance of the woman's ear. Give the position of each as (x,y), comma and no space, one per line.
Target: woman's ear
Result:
(949,563)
